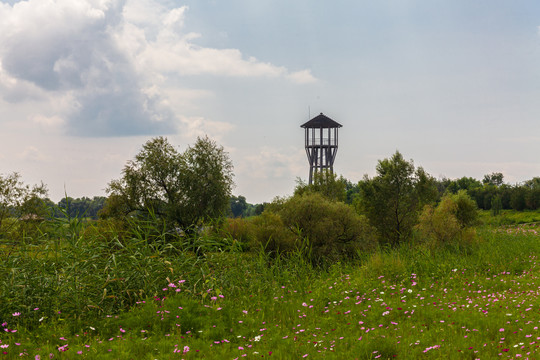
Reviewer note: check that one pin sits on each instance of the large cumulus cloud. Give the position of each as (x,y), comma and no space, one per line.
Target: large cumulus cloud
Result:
(108,60)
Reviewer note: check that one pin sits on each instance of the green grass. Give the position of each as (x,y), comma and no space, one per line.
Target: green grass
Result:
(110,297)
(510,217)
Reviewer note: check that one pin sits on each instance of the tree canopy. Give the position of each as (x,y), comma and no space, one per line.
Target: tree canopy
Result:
(392,199)
(180,188)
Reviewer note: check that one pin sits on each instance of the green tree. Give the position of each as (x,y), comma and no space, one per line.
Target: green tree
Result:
(518,197)
(495,178)
(182,189)
(20,201)
(238,206)
(325,183)
(392,199)
(496,205)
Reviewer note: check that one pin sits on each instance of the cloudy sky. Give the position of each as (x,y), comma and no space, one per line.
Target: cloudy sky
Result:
(453,85)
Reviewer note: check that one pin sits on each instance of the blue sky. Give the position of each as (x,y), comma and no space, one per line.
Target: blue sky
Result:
(453,85)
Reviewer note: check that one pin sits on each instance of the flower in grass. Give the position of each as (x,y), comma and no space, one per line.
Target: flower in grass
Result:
(501,329)
(16,314)
(37,357)
(257,338)
(186,349)
(4,346)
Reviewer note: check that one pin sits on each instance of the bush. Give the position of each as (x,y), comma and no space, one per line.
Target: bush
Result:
(271,234)
(239,229)
(467,210)
(332,229)
(451,220)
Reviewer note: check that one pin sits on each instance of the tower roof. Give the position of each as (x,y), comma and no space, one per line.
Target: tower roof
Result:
(321,121)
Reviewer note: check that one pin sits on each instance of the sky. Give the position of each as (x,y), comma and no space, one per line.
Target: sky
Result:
(453,85)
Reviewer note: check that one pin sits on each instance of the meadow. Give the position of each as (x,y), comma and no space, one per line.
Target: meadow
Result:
(82,289)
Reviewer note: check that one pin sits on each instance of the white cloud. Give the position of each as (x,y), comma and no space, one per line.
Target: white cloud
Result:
(110,67)
(32,154)
(164,47)
(48,121)
(302,77)
(199,126)
(272,163)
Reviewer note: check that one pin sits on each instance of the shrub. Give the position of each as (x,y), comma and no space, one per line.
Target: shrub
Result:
(239,229)
(333,229)
(271,234)
(467,210)
(451,220)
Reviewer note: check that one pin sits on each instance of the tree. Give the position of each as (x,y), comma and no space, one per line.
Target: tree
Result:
(325,183)
(518,198)
(392,199)
(238,206)
(182,189)
(496,205)
(18,200)
(495,178)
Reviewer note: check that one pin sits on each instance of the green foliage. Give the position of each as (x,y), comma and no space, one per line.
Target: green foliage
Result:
(392,199)
(496,205)
(463,183)
(22,202)
(333,230)
(181,189)
(241,208)
(240,229)
(466,211)
(79,207)
(271,234)
(141,301)
(495,179)
(238,206)
(450,221)
(325,183)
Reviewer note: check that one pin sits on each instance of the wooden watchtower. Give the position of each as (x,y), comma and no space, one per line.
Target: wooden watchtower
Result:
(321,143)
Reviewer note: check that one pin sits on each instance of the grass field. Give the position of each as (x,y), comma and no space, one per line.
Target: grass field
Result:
(94,295)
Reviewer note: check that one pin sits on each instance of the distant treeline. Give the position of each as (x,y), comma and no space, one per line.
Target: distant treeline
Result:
(79,207)
(493,194)
(490,194)
(86,207)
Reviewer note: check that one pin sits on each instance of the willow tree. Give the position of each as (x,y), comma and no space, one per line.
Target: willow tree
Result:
(181,188)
